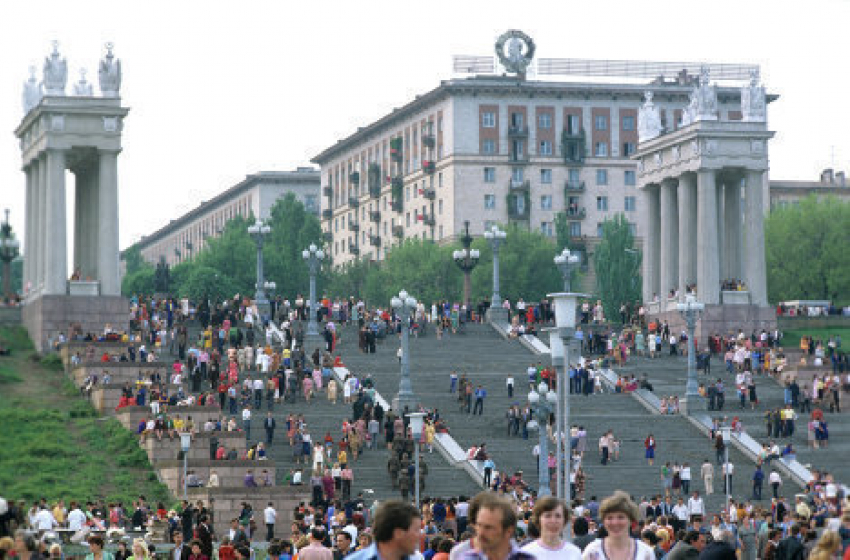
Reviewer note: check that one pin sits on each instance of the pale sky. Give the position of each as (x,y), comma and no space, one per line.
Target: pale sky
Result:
(218,90)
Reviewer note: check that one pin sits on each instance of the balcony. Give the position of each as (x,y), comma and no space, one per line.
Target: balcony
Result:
(518,158)
(397,205)
(375,191)
(398,231)
(576,213)
(519,206)
(327,236)
(429,193)
(354,178)
(375,215)
(573,146)
(354,201)
(520,185)
(375,240)
(428,140)
(574,186)
(518,131)
(426,219)
(428,166)
(353,226)
(353,248)
(328,191)
(397,182)
(327,214)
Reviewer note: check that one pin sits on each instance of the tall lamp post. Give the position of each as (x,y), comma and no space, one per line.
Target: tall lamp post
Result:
(559,345)
(313,255)
(404,306)
(185,444)
(9,251)
(270,287)
(466,259)
(691,311)
(543,402)
(726,431)
(496,312)
(259,231)
(416,421)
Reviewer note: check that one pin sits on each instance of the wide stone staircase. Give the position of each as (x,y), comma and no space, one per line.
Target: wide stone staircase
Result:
(487,359)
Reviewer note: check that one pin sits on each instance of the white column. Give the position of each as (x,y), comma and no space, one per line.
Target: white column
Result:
(56,264)
(708,257)
(28,224)
(651,198)
(40,221)
(687,231)
(732,226)
(668,252)
(755,261)
(91,220)
(107,230)
(79,205)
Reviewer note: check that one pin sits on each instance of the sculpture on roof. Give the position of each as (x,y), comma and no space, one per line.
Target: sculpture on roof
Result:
(703,104)
(32,92)
(520,51)
(754,100)
(649,120)
(55,72)
(83,88)
(109,73)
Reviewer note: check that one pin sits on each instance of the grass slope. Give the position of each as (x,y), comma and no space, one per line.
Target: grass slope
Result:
(791,338)
(53,444)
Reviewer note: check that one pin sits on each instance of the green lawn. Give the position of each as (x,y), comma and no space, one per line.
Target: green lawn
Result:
(45,450)
(791,339)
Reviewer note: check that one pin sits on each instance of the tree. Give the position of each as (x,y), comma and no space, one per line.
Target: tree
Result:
(133,259)
(205,282)
(139,282)
(617,266)
(805,251)
(233,256)
(293,230)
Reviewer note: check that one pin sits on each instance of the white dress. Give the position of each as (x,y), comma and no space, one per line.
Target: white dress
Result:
(595,551)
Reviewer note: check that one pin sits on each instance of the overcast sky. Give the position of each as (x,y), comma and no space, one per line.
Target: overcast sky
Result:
(218,90)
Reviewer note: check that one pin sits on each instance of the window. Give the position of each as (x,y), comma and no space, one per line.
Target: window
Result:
(628,123)
(336,224)
(629,178)
(546,228)
(632,229)
(544,120)
(440,206)
(545,148)
(489,146)
(628,149)
(488,119)
(602,203)
(517,120)
(546,202)
(599,229)
(629,204)
(601,176)
(600,149)
(575,175)
(600,122)
(518,175)
(573,124)
(489,174)
(407,219)
(440,179)
(546,176)
(407,193)
(489,201)
(575,229)
(519,149)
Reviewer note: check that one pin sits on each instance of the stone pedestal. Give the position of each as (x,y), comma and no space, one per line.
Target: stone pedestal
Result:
(497,315)
(687,408)
(722,319)
(46,316)
(313,341)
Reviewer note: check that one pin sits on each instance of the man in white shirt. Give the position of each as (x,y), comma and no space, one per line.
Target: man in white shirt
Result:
(246,421)
(258,390)
(681,514)
(510,384)
(685,476)
(270,515)
(728,470)
(76,518)
(695,505)
(44,520)
(775,482)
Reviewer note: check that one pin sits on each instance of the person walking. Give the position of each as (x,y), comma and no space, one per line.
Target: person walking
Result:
(269,424)
(246,421)
(758,481)
(775,482)
(649,444)
(707,473)
(270,515)
(480,394)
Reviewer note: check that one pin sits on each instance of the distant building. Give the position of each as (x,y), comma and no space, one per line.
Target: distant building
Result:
(183,237)
(831,183)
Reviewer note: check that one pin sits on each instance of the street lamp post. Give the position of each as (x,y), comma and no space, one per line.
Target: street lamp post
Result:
(404,306)
(270,288)
(691,310)
(727,441)
(543,406)
(466,259)
(313,255)
(416,421)
(259,231)
(496,312)
(185,444)
(9,251)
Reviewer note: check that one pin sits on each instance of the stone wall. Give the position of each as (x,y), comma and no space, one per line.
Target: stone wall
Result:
(47,316)
(802,323)
(10,316)
(130,416)
(231,474)
(226,504)
(105,398)
(723,319)
(168,449)
(119,372)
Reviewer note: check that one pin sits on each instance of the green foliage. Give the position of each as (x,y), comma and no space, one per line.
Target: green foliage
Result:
(134,260)
(617,266)
(15,338)
(232,256)
(806,251)
(139,282)
(206,283)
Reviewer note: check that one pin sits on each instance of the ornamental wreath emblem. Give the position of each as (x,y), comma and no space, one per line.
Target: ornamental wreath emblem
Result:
(520,51)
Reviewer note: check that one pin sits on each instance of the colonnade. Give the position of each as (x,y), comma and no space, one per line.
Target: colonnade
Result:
(95,252)
(699,235)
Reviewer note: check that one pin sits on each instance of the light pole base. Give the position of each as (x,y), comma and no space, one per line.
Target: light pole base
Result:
(313,341)
(690,405)
(402,401)
(497,315)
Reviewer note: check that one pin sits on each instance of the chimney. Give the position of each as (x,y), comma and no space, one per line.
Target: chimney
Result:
(826,176)
(839,178)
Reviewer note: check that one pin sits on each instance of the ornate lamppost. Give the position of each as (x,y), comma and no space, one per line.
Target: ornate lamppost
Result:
(466,260)
(9,251)
(404,306)
(313,255)
(543,402)
(496,312)
(691,311)
(416,422)
(259,231)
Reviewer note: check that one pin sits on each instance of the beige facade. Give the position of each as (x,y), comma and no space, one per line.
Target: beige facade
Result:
(186,236)
(831,183)
(503,151)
